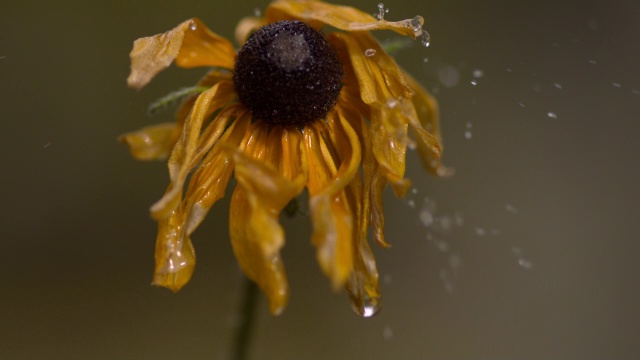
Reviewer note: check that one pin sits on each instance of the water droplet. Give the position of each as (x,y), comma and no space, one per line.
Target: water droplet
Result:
(411,203)
(474,83)
(257,12)
(508,70)
(592,62)
(512,209)
(46,145)
(615,84)
(468,135)
(368,308)
(478,73)
(391,103)
(635,92)
(381,11)
(455,262)
(387,333)
(521,104)
(557,86)
(443,246)
(414,191)
(387,279)
(469,125)
(527,264)
(193,26)
(426,218)
(516,250)
(448,76)
(480,231)
(425,60)
(369,52)
(552,115)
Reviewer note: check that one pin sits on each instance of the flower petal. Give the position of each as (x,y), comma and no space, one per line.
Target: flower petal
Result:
(191,146)
(152,142)
(261,194)
(341,17)
(332,218)
(427,112)
(175,256)
(380,78)
(190,44)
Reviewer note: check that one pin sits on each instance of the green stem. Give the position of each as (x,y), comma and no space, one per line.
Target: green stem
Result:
(247,313)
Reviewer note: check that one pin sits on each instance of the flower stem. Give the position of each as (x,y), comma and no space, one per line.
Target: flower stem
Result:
(247,315)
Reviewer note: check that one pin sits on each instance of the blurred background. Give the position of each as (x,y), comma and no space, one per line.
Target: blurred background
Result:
(529,252)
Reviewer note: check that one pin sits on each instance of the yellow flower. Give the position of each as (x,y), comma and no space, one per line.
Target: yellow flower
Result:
(294,108)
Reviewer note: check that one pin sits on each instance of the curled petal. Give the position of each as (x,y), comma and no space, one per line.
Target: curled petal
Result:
(380,78)
(190,147)
(389,150)
(331,215)
(362,286)
(152,142)
(190,44)
(426,108)
(175,256)
(211,78)
(262,193)
(344,18)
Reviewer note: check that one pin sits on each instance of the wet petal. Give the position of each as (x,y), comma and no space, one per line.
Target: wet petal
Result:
(152,142)
(190,44)
(332,218)
(380,78)
(362,287)
(191,147)
(427,112)
(262,193)
(345,18)
(175,256)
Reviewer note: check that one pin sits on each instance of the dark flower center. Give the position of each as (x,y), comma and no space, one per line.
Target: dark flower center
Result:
(288,74)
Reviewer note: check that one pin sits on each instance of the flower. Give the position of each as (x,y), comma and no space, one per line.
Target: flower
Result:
(294,109)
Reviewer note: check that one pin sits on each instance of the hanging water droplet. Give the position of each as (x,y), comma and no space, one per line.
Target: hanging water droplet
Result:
(552,115)
(368,308)
(193,26)
(369,52)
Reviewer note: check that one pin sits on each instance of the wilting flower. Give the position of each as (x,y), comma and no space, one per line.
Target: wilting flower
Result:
(295,108)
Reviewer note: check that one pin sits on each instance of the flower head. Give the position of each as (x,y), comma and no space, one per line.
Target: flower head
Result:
(295,108)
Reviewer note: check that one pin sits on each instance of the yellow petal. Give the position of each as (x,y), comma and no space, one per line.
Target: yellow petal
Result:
(152,142)
(211,78)
(332,218)
(191,146)
(427,112)
(190,44)
(246,27)
(261,194)
(381,80)
(378,184)
(344,18)
(209,182)
(362,286)
(175,256)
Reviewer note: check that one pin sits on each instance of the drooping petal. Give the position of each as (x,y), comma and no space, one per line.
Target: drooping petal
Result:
(211,78)
(261,194)
(174,256)
(318,13)
(380,78)
(427,112)
(151,142)
(191,146)
(331,215)
(190,44)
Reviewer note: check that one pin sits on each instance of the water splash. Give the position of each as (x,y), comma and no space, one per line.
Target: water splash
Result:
(381,11)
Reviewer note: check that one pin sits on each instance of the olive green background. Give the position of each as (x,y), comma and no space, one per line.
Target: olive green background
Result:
(533,254)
